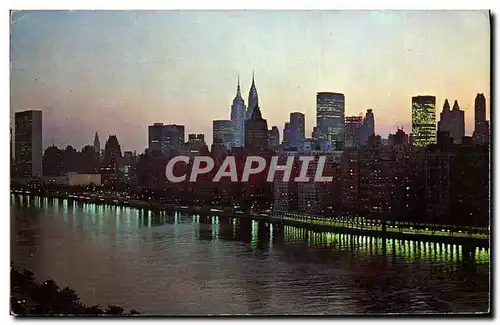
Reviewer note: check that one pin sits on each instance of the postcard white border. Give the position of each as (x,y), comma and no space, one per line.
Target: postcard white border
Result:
(187,4)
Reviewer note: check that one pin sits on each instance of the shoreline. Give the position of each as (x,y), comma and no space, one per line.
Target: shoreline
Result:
(31,297)
(308,222)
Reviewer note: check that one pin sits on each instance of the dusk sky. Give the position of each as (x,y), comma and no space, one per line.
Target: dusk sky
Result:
(117,72)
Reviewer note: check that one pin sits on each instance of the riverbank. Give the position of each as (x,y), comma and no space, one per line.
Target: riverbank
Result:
(359,226)
(28,297)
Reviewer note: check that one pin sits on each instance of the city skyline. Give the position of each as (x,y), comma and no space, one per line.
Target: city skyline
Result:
(119,83)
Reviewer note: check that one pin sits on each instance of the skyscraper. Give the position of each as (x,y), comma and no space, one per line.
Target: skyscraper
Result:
(112,149)
(353,126)
(223,133)
(423,118)
(238,117)
(368,128)
(162,138)
(297,123)
(28,143)
(97,144)
(173,136)
(112,157)
(253,99)
(294,131)
(287,131)
(273,137)
(330,110)
(481,126)
(256,136)
(155,137)
(452,121)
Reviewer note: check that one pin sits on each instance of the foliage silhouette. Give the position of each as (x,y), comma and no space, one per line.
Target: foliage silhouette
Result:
(31,298)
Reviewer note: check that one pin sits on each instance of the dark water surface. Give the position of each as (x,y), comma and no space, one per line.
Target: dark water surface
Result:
(183,264)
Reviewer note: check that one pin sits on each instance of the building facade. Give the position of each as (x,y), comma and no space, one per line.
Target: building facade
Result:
(155,137)
(368,128)
(274,137)
(110,167)
(256,132)
(353,126)
(238,117)
(294,131)
(457,183)
(481,125)
(423,120)
(223,133)
(28,143)
(330,117)
(173,136)
(163,138)
(452,121)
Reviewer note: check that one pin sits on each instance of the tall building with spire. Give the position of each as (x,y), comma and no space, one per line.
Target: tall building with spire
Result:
(253,98)
(481,126)
(238,117)
(452,121)
(97,144)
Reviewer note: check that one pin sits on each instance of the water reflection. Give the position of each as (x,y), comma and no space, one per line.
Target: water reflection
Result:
(170,262)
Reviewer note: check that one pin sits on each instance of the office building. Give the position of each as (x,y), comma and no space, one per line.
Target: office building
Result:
(353,126)
(367,129)
(330,123)
(481,125)
(452,121)
(294,131)
(274,137)
(223,133)
(112,158)
(173,136)
(155,137)
(256,132)
(423,120)
(163,138)
(28,143)
(457,183)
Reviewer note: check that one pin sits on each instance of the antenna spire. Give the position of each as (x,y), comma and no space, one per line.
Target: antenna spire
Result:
(238,89)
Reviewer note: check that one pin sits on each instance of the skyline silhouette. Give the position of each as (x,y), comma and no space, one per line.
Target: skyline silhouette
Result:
(117,72)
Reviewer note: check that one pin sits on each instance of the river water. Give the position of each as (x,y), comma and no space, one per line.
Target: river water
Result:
(179,264)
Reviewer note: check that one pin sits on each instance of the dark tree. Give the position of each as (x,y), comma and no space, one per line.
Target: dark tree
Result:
(94,310)
(114,310)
